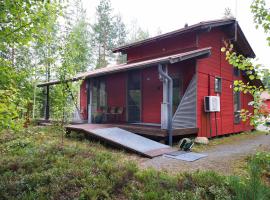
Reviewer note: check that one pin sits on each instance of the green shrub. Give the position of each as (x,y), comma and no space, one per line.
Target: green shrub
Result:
(252,187)
(35,164)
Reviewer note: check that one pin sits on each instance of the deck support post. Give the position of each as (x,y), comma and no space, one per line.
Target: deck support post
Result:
(47,103)
(167,99)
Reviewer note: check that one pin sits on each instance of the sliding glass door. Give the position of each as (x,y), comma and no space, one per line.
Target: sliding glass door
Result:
(134,96)
(99,97)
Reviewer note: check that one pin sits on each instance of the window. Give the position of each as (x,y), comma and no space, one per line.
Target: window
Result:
(236,106)
(218,84)
(134,96)
(99,97)
(236,71)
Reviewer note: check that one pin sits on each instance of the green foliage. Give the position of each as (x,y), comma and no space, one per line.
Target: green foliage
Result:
(252,187)
(35,165)
(252,72)
(21,24)
(76,53)
(261,16)
(21,20)
(49,51)
(75,57)
(108,32)
(137,33)
(266,78)
(241,62)
(8,99)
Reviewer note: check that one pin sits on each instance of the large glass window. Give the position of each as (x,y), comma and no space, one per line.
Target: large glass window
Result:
(237,107)
(99,97)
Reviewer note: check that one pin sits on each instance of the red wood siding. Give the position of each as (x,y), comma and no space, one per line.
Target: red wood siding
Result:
(162,48)
(152,88)
(83,100)
(227,112)
(207,69)
(267,102)
(185,69)
(151,95)
(116,91)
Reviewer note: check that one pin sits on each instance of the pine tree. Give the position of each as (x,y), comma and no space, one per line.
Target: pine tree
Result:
(108,32)
(137,33)
(77,51)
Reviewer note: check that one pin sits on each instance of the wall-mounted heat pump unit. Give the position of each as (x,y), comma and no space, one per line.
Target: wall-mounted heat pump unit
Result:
(212,104)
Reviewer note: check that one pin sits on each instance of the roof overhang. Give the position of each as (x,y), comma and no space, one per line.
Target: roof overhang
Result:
(171,59)
(196,27)
(242,42)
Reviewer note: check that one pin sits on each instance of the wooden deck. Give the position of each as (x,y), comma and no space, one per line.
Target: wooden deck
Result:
(122,138)
(155,131)
(148,130)
(130,136)
(145,130)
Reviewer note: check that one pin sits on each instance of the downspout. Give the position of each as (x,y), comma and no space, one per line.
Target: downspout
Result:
(209,114)
(168,101)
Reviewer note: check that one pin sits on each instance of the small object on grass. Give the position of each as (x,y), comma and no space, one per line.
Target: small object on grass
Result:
(187,156)
(201,140)
(185,144)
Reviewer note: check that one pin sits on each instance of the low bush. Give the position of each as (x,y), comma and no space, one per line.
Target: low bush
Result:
(37,164)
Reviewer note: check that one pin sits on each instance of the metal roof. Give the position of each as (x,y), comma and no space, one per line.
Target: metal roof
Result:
(170,59)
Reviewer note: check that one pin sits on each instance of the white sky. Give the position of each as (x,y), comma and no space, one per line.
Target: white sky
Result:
(169,15)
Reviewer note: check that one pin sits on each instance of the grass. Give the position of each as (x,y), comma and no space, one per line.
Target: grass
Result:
(227,140)
(37,164)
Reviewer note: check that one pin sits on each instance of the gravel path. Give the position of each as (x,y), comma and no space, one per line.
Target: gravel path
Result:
(221,158)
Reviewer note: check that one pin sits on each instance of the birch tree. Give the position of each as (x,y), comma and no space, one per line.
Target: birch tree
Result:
(254,72)
(21,22)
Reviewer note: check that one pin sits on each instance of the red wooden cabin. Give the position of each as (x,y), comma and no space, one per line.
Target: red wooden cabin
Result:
(191,58)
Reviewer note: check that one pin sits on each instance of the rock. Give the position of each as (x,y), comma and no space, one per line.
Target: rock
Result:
(201,140)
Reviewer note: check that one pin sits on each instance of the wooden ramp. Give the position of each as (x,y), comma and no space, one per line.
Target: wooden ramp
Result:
(125,139)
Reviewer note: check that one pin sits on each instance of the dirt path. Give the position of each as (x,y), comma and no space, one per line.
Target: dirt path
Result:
(221,158)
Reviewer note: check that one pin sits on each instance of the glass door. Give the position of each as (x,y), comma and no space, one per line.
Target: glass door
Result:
(99,96)
(134,96)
